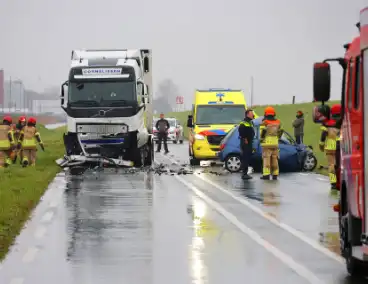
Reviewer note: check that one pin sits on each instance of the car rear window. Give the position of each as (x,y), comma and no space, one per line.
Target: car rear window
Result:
(228,135)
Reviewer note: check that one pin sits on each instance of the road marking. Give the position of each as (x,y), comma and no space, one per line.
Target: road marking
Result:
(17,281)
(285,258)
(322,179)
(291,230)
(40,232)
(30,255)
(53,204)
(47,217)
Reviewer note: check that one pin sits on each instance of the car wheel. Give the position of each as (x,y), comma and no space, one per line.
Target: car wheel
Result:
(181,141)
(175,141)
(310,163)
(233,163)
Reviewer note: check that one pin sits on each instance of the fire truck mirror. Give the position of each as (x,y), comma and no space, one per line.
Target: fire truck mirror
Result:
(321,82)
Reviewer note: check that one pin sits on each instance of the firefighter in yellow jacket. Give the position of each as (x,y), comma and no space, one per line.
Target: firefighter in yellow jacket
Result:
(330,138)
(28,139)
(22,121)
(7,142)
(271,131)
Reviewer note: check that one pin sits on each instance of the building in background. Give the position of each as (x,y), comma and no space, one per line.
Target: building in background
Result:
(2,95)
(46,106)
(14,97)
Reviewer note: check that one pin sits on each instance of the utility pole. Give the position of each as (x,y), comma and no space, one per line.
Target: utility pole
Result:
(251,91)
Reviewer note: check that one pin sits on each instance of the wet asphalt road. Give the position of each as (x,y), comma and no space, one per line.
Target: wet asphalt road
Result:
(206,227)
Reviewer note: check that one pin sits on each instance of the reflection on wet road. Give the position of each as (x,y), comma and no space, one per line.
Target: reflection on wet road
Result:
(115,227)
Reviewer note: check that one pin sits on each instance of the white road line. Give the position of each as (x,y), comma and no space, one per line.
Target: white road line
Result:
(285,258)
(289,229)
(17,281)
(53,204)
(47,217)
(30,255)
(40,232)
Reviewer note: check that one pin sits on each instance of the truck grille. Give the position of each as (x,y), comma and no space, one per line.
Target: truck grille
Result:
(215,139)
(102,128)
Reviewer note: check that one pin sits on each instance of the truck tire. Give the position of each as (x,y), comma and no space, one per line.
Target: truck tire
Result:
(355,267)
(150,158)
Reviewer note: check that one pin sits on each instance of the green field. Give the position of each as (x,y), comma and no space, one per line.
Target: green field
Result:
(286,113)
(21,188)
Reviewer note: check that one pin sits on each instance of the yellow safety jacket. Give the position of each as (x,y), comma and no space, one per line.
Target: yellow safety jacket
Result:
(29,137)
(271,131)
(6,137)
(329,137)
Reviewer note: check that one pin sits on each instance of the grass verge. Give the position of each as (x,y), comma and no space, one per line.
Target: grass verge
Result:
(22,188)
(286,113)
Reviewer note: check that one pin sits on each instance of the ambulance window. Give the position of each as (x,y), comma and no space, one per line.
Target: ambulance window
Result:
(350,86)
(357,82)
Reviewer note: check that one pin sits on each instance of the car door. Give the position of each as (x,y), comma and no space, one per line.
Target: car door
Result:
(288,155)
(256,160)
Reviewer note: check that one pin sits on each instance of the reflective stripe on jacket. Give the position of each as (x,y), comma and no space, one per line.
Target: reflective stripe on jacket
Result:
(6,137)
(329,137)
(271,131)
(29,137)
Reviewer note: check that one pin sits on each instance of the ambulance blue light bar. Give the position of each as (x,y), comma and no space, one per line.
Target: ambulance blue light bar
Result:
(218,90)
(220,103)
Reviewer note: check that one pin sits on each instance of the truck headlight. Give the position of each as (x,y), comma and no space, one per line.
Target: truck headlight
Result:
(199,137)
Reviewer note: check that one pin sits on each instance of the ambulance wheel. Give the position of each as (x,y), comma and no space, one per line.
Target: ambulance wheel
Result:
(194,162)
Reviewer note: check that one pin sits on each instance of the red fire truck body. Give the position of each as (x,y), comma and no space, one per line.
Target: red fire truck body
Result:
(353,155)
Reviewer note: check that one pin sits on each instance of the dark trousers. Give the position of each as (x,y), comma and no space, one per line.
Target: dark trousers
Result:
(299,139)
(162,137)
(246,155)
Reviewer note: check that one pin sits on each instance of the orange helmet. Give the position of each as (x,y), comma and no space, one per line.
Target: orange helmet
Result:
(269,111)
(336,109)
(22,119)
(32,120)
(7,119)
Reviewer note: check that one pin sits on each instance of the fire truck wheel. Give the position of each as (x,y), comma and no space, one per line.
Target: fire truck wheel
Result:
(355,267)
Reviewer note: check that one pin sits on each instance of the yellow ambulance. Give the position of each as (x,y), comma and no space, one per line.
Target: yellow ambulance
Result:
(214,113)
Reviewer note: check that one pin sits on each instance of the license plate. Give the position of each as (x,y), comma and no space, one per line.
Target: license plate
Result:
(102,128)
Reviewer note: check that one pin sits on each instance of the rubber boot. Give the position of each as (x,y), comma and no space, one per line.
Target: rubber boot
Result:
(265,177)
(274,177)
(25,163)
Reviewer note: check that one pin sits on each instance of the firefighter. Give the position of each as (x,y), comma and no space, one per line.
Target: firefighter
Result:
(7,142)
(17,129)
(246,135)
(28,139)
(271,132)
(329,141)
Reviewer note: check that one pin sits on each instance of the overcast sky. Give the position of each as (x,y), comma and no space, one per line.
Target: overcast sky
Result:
(196,43)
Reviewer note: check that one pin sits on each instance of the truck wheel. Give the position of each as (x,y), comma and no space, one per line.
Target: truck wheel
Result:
(138,157)
(148,161)
(355,267)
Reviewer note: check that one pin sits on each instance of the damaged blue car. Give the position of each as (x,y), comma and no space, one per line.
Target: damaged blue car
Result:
(293,157)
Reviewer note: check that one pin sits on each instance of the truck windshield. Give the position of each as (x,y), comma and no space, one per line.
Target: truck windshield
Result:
(108,93)
(220,114)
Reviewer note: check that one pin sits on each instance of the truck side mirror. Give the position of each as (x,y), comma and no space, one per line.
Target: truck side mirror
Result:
(321,82)
(62,96)
(190,121)
(146,65)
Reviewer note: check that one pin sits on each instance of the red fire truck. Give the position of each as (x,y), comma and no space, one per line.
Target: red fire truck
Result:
(353,154)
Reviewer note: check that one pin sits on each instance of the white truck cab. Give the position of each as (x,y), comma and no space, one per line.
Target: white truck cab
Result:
(108,102)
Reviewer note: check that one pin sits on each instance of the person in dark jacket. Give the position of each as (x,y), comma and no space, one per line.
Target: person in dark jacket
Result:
(298,125)
(162,126)
(246,136)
